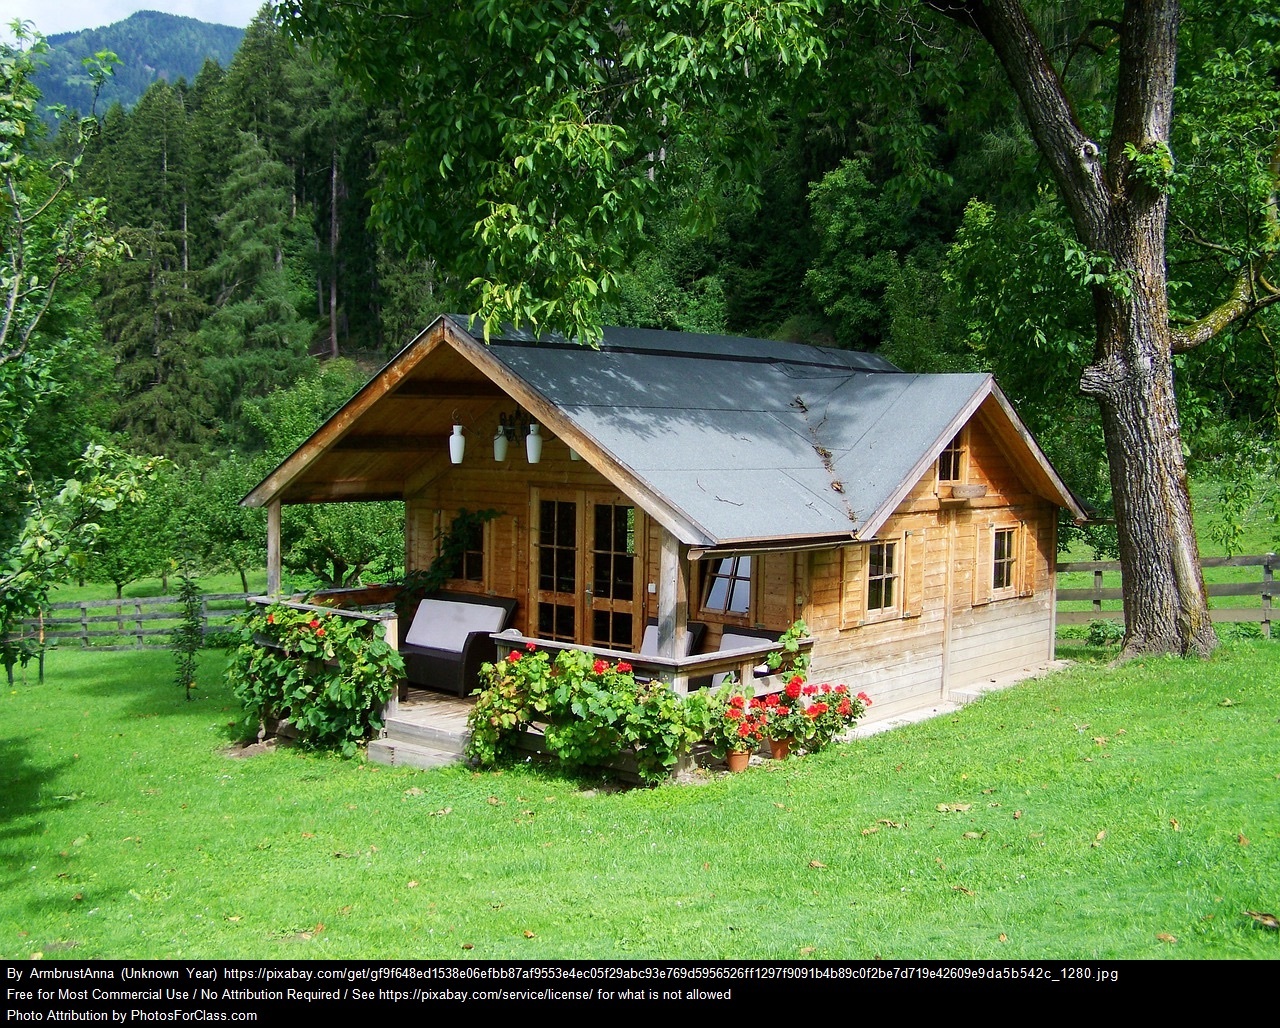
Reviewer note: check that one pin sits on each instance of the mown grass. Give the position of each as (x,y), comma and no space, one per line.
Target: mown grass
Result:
(1125,813)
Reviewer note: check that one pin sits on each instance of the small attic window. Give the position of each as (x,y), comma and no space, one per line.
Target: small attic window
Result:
(951,460)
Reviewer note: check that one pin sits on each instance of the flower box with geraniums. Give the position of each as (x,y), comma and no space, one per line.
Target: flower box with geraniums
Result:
(327,675)
(591,713)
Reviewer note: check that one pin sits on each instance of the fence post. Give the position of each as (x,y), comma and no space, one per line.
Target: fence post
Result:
(1268,581)
(84,625)
(1097,591)
(137,608)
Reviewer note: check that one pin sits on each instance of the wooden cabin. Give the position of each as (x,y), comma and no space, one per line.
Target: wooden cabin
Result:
(739,484)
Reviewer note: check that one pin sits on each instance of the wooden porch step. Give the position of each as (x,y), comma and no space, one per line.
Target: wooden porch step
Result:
(428,733)
(399,753)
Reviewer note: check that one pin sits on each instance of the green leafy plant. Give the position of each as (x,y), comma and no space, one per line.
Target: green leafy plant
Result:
(327,674)
(1105,632)
(188,638)
(590,711)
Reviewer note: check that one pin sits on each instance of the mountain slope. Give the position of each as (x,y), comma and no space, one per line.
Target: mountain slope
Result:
(151,46)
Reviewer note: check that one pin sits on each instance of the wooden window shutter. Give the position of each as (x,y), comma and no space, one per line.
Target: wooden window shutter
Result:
(853,596)
(913,566)
(983,562)
(1028,551)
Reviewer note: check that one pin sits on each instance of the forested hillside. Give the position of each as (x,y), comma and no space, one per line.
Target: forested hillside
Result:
(151,46)
(277,235)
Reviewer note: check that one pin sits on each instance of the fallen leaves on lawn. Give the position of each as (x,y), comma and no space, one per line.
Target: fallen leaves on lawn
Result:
(1266,920)
(528,934)
(1175,824)
(816,863)
(961,888)
(441,812)
(974,835)
(1166,937)
(952,808)
(1242,840)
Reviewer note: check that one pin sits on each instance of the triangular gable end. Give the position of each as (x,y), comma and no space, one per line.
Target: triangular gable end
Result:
(1010,432)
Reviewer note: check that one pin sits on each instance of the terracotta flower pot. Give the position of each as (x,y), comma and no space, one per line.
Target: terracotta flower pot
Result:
(737,760)
(780,748)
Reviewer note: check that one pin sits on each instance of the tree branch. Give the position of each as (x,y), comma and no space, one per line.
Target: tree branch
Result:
(1243,302)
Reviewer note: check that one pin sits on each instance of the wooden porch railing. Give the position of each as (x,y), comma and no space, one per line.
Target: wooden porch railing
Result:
(676,672)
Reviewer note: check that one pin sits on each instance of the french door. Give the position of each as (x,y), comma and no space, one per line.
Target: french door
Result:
(585,569)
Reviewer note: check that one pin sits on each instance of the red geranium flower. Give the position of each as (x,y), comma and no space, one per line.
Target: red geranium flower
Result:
(530,646)
(600,667)
(623,668)
(744,730)
(738,701)
(864,698)
(845,708)
(319,631)
(809,690)
(512,657)
(793,687)
(314,623)
(271,619)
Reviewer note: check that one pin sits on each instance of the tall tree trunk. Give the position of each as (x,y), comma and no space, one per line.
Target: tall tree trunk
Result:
(1122,217)
(333,254)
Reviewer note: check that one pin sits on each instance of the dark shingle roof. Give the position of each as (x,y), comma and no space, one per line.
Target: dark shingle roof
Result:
(749,438)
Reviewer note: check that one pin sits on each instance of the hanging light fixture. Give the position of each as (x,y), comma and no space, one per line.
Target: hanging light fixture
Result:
(533,443)
(457,445)
(500,444)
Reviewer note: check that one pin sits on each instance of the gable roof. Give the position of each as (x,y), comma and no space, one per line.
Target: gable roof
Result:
(728,442)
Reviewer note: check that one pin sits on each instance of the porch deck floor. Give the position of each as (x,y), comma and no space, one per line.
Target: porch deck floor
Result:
(442,711)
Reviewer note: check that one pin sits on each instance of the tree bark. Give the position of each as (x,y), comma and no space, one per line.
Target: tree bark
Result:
(1121,217)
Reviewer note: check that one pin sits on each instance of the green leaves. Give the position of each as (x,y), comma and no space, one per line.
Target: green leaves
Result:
(543,171)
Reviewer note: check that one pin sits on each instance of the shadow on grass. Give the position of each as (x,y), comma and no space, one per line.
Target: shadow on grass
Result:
(26,795)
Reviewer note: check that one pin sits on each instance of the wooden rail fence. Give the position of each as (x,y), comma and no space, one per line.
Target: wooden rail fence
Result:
(1263,588)
(130,624)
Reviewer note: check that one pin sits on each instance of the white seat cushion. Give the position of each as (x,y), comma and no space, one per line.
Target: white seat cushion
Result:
(445,624)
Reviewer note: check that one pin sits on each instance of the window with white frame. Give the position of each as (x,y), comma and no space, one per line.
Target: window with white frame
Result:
(1004,559)
(882,577)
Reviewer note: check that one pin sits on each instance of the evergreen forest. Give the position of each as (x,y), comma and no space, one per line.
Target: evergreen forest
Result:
(247,273)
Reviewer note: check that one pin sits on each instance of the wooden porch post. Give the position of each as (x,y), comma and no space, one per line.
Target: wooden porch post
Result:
(673,601)
(273,548)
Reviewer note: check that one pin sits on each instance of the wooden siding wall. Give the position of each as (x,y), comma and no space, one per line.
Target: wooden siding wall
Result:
(479,483)
(954,636)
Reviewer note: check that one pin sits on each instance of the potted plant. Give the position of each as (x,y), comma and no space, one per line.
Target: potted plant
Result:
(736,724)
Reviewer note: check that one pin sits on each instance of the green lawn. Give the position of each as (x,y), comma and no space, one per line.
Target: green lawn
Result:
(1096,813)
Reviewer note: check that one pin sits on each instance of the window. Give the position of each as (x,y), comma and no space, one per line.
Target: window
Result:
(950,460)
(882,577)
(726,586)
(468,564)
(1005,555)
